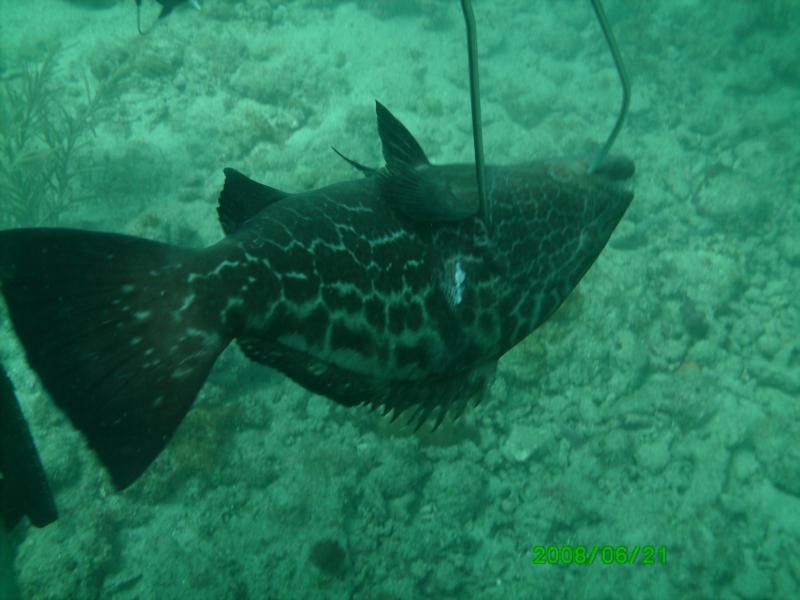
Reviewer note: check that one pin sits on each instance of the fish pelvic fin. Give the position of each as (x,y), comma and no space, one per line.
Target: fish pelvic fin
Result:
(114,331)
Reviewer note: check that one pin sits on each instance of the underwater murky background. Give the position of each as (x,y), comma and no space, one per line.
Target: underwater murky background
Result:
(660,406)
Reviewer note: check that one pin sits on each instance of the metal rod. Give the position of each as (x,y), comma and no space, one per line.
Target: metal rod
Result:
(623,76)
(475,101)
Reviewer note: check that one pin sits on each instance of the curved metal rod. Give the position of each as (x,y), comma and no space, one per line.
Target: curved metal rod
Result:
(623,76)
(475,101)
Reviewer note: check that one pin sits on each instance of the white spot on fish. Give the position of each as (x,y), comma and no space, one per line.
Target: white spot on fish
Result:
(295,275)
(181,372)
(458,279)
(453,281)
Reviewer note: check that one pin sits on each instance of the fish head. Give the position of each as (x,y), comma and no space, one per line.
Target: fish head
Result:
(562,197)
(553,217)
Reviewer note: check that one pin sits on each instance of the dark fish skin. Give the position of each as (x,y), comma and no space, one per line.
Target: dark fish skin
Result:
(386,291)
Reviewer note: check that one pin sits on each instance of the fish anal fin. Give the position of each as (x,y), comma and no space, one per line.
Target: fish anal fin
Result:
(427,400)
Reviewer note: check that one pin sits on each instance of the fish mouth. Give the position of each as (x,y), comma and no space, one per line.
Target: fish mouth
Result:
(616,169)
(615,175)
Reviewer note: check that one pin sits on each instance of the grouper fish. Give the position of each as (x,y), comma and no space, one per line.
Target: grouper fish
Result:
(387,291)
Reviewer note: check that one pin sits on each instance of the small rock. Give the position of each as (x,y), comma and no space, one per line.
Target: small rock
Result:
(784,377)
(654,455)
(752,584)
(745,465)
(526,441)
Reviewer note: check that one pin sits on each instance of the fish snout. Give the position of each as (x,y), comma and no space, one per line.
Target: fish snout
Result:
(616,168)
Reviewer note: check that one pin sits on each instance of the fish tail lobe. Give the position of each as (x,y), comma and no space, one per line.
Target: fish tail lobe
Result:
(116,332)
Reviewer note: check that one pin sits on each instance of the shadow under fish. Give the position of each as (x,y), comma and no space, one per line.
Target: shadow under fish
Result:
(386,291)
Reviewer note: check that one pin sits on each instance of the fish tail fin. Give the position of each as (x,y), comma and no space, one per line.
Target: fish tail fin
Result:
(24,490)
(116,333)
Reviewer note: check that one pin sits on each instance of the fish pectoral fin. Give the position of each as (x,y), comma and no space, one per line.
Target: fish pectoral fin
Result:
(409,183)
(242,198)
(421,195)
(400,149)
(367,171)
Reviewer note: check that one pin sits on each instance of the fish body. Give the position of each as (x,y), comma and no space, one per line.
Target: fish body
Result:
(387,291)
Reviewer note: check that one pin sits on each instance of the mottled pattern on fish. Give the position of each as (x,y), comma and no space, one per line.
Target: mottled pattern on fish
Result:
(353,300)
(386,291)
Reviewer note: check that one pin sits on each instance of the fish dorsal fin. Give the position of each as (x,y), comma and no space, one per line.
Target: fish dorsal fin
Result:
(409,183)
(400,149)
(367,171)
(242,198)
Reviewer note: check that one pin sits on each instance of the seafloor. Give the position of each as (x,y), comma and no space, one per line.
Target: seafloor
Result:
(660,406)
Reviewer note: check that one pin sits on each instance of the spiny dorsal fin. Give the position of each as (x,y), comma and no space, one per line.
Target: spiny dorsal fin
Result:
(242,198)
(367,171)
(400,149)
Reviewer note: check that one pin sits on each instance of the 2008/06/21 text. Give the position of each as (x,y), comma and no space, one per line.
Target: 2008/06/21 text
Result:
(568,554)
